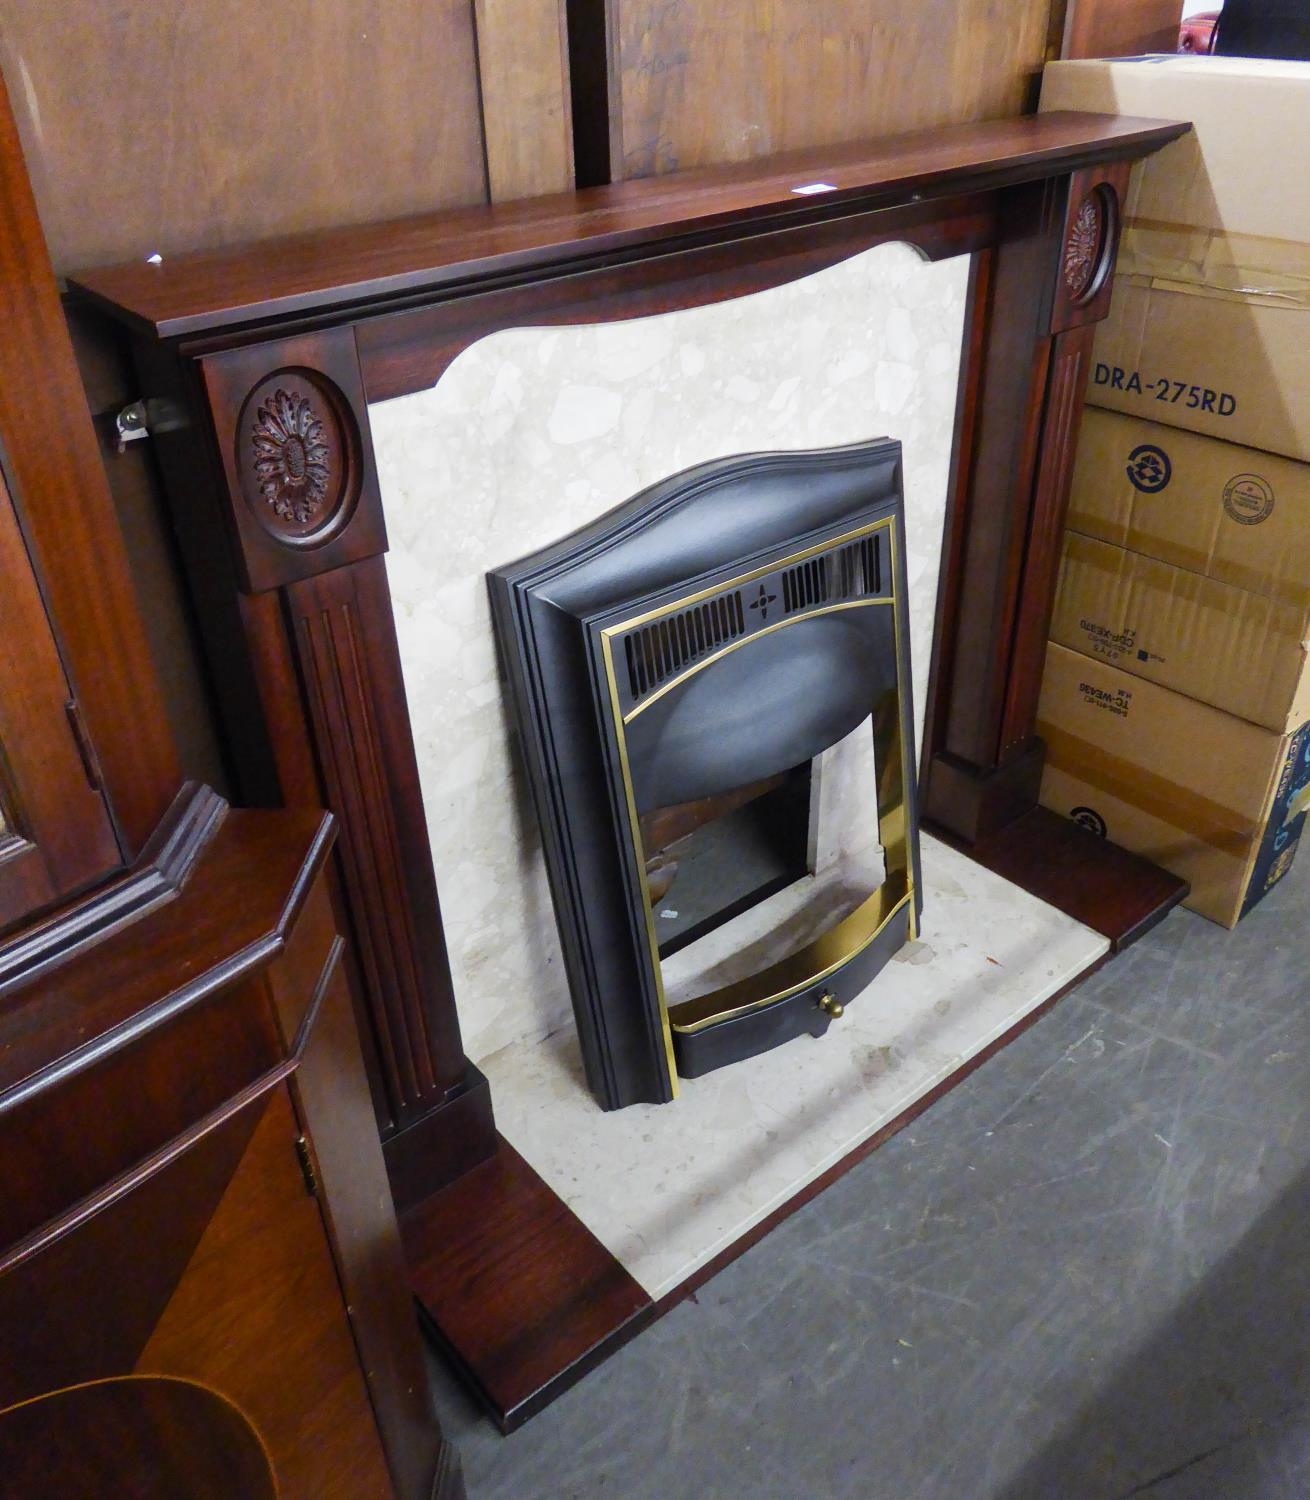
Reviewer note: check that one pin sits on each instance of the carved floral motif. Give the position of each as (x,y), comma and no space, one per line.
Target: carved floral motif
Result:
(1081,250)
(292,458)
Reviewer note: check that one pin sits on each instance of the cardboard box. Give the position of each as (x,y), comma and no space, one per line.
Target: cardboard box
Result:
(1241,652)
(1218,801)
(1234,514)
(1209,328)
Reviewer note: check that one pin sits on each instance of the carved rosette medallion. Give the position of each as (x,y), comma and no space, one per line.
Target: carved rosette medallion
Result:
(1090,244)
(297,449)
(1081,251)
(292,460)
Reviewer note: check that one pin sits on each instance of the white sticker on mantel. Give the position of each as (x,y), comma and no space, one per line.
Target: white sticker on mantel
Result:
(532,433)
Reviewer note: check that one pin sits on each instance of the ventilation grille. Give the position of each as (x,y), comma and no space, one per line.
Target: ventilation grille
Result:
(852,572)
(662,650)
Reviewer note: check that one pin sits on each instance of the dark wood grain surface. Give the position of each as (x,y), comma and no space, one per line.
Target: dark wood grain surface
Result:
(258,1313)
(1035,301)
(524,85)
(209,291)
(349,661)
(1122,28)
(1007,434)
(56,835)
(306,668)
(738,79)
(1088,878)
(332,1103)
(151,1437)
(408,350)
(520,1294)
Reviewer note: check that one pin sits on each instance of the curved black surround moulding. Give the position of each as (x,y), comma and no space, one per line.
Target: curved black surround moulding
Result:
(594,753)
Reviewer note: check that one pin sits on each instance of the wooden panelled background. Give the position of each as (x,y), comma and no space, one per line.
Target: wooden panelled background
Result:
(173,127)
(167,128)
(738,79)
(524,70)
(1123,28)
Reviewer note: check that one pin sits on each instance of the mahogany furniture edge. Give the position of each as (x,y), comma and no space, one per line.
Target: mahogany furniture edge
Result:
(154,876)
(562,1303)
(62,497)
(235,960)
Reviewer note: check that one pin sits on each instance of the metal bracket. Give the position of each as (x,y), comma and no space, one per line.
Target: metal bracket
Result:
(132,424)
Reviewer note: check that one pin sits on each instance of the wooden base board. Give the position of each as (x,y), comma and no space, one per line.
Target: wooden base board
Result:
(514,1288)
(1118,894)
(525,1300)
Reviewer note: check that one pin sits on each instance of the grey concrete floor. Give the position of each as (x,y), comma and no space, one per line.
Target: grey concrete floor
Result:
(1083,1275)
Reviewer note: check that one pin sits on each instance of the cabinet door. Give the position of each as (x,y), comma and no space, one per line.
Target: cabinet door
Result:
(55,831)
(212,1268)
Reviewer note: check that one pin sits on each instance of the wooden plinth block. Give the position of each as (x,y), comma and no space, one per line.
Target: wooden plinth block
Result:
(515,1289)
(972,804)
(442,1145)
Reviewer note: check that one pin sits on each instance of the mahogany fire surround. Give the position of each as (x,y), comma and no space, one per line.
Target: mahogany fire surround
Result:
(258,365)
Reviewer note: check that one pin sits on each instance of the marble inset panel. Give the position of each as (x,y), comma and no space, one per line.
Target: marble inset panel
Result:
(532,433)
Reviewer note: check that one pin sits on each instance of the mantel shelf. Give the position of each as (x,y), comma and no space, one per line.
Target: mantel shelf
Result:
(219,292)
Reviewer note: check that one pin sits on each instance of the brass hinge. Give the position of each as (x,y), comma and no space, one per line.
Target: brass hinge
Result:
(308,1167)
(90,761)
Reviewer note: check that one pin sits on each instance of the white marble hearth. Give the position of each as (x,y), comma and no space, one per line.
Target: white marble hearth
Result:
(667,1187)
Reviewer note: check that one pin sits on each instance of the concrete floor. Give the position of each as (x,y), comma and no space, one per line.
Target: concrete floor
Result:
(1084,1275)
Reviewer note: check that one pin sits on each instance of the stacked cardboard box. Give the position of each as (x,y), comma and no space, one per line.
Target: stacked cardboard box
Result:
(1178,681)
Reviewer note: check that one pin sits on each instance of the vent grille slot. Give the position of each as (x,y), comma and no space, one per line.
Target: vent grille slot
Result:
(660,651)
(852,572)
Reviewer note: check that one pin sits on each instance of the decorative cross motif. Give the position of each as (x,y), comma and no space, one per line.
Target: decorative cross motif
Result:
(761,601)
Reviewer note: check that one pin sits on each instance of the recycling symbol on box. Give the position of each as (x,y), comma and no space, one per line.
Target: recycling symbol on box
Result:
(1149,468)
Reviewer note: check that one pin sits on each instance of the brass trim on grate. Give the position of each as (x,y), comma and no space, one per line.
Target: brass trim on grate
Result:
(789,976)
(845,938)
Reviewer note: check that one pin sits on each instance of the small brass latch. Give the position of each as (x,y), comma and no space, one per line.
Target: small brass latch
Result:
(831,1006)
(308,1166)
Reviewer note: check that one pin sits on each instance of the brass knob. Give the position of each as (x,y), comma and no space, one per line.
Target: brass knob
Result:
(831,1006)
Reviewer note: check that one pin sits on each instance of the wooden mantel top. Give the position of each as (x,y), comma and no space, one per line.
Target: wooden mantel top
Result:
(212,292)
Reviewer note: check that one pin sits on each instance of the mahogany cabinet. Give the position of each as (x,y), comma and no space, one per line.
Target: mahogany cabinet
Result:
(201,1285)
